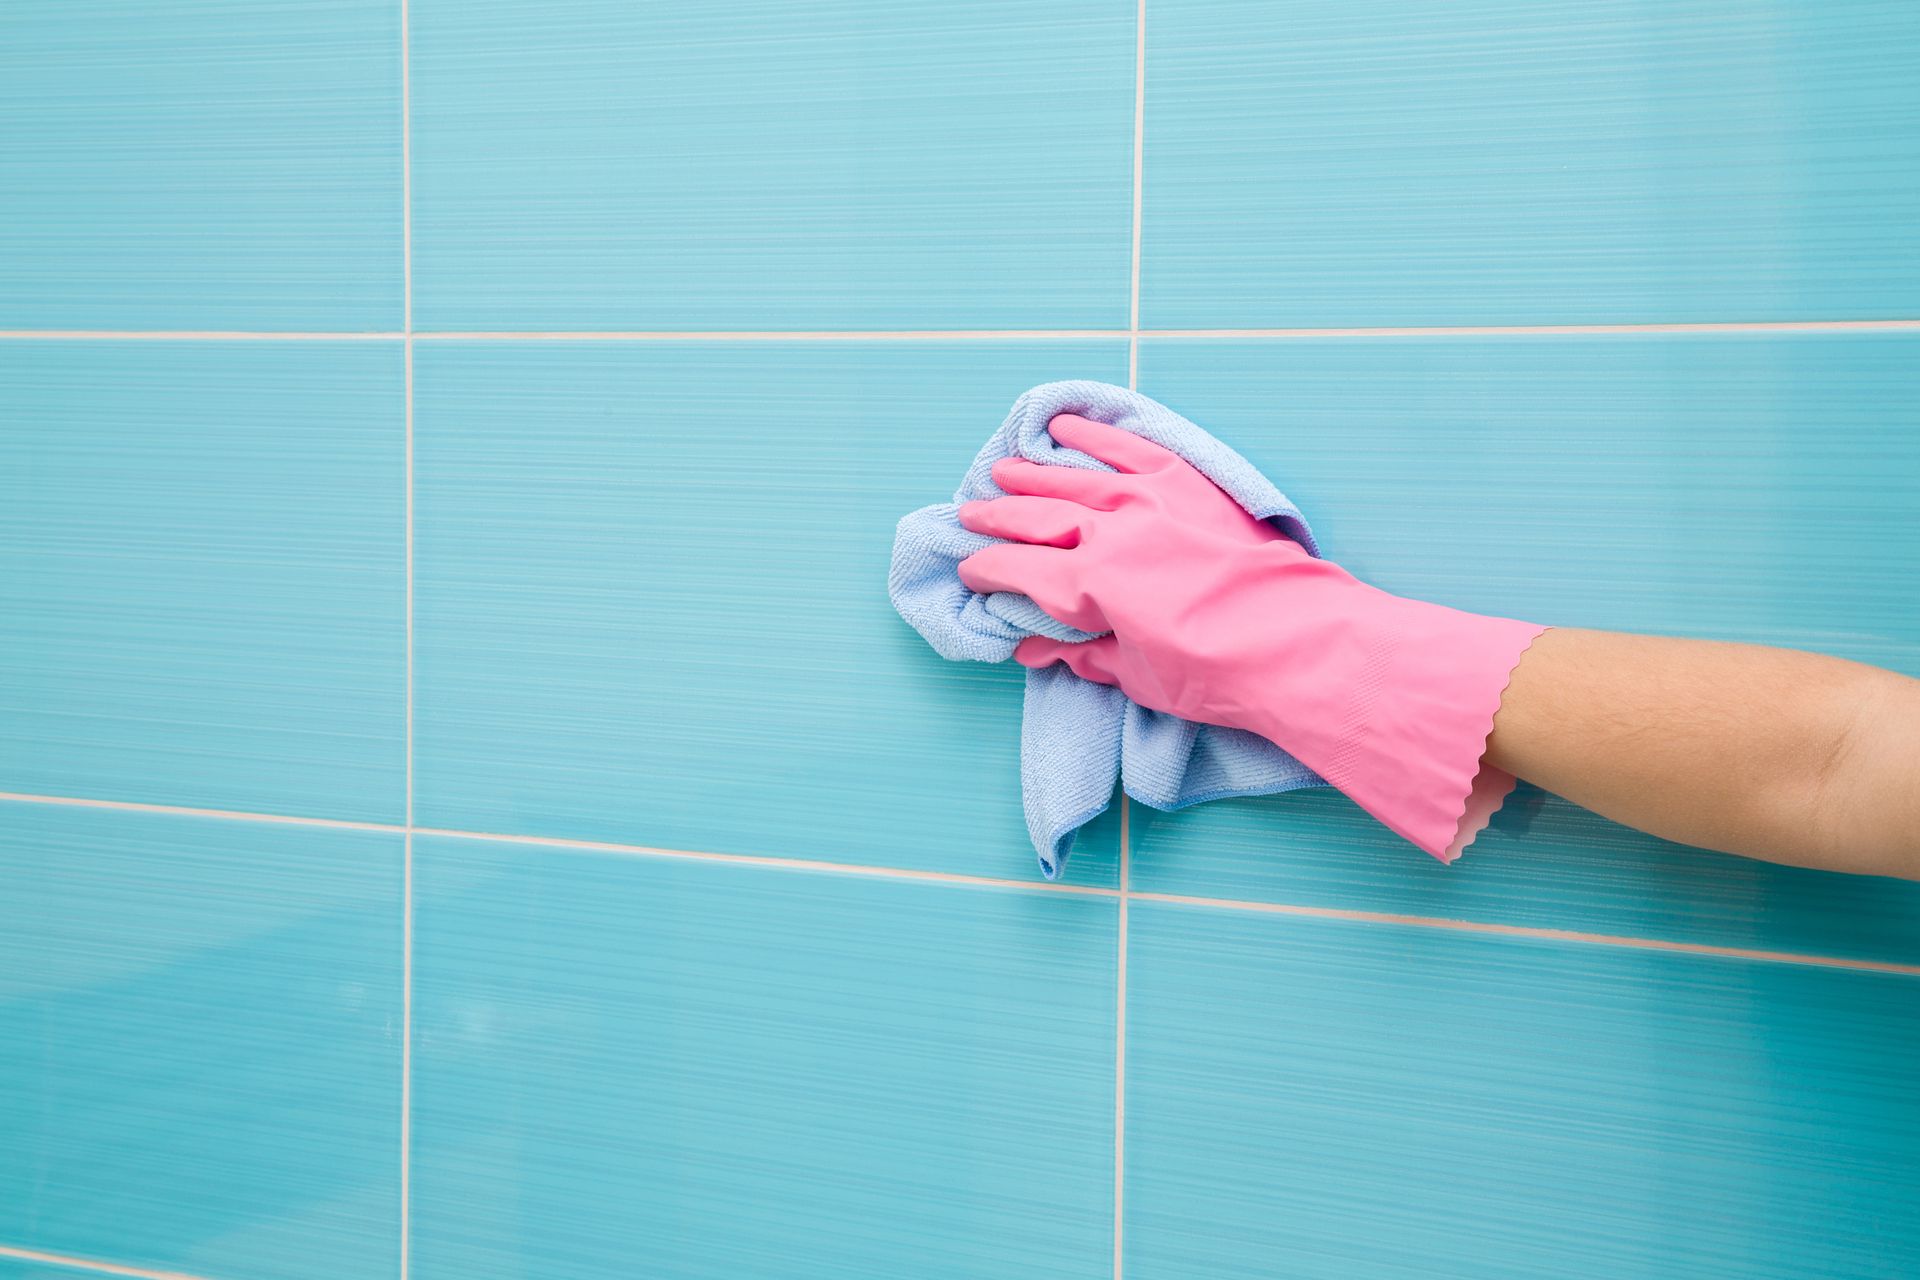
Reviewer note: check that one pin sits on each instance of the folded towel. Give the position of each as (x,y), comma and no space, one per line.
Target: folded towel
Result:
(1077,736)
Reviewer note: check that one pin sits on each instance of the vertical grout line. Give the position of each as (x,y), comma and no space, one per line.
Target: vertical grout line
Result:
(1126,833)
(406,942)
(1120,1051)
(1139,156)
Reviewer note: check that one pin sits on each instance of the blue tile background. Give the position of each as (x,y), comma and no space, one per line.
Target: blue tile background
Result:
(645,605)
(650,599)
(1315,163)
(200,164)
(203,574)
(641,1066)
(200,1043)
(1320,1098)
(768,165)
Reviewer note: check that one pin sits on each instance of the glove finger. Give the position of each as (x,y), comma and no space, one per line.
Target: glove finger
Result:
(1046,521)
(1042,574)
(1121,450)
(1101,490)
(1093,660)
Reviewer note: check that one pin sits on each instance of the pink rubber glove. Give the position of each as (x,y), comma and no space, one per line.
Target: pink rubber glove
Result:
(1218,617)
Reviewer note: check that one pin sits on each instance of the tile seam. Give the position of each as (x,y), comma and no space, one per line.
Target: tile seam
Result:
(92,1264)
(956,335)
(1536,932)
(806,865)
(1126,832)
(406,851)
(198,335)
(769,862)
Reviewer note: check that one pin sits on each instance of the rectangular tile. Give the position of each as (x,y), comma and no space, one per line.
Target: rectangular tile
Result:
(848,165)
(636,1066)
(203,574)
(1745,488)
(200,1043)
(1529,162)
(650,599)
(200,165)
(1331,1099)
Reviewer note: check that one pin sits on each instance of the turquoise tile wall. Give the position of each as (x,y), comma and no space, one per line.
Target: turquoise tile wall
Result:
(653,1067)
(1529,162)
(1312,1098)
(200,1037)
(467,809)
(203,574)
(200,164)
(771,165)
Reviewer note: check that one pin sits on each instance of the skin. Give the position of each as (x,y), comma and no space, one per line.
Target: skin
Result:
(1776,754)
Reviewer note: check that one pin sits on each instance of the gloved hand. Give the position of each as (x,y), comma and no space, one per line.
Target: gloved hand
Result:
(1218,617)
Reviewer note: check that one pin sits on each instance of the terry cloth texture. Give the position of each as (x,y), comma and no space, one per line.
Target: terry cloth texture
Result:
(1077,736)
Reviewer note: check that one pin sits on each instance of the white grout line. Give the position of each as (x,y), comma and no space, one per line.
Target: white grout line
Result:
(966,335)
(406,173)
(785,864)
(1125,895)
(1139,159)
(1120,1045)
(191,335)
(406,939)
(90,1264)
(1544,330)
(1126,834)
(562,842)
(187,811)
(772,335)
(1529,931)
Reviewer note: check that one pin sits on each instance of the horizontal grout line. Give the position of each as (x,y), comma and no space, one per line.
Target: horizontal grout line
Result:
(88,1264)
(602,846)
(183,811)
(1529,931)
(997,882)
(966,335)
(773,335)
(782,864)
(1522,330)
(195,335)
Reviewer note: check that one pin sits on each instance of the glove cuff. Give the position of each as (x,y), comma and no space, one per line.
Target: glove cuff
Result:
(1409,746)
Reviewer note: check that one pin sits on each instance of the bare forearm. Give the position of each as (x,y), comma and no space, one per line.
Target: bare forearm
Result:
(1772,753)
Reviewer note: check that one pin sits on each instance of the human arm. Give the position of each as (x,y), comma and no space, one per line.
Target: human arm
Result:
(1771,753)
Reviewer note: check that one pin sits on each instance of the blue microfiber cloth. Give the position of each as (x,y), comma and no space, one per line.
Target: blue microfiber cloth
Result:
(1076,736)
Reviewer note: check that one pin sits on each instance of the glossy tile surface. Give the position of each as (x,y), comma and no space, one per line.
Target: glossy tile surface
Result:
(1317,1098)
(650,599)
(770,165)
(200,1043)
(200,165)
(1757,488)
(636,1066)
(1529,162)
(203,574)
